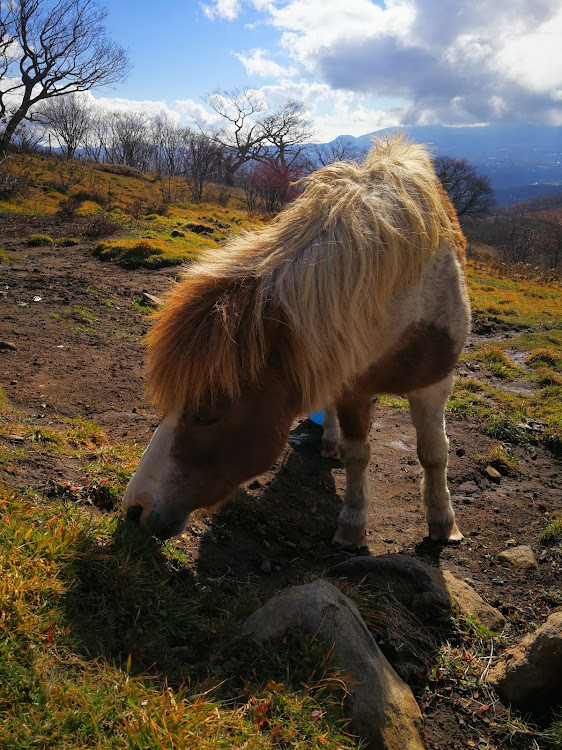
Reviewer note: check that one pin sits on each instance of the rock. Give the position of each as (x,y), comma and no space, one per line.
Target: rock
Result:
(265,567)
(199,228)
(493,474)
(177,233)
(416,585)
(522,557)
(530,675)
(152,300)
(467,488)
(420,587)
(471,603)
(383,709)
(5,345)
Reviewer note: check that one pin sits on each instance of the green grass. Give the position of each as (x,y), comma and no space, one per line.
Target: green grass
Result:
(524,417)
(39,240)
(552,535)
(109,642)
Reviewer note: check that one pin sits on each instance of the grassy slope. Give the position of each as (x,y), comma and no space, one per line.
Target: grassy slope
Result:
(94,615)
(142,210)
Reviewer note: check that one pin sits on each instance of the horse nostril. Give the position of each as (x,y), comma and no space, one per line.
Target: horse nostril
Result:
(134,512)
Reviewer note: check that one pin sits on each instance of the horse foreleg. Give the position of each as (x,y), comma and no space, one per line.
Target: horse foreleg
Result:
(355,421)
(427,407)
(331,434)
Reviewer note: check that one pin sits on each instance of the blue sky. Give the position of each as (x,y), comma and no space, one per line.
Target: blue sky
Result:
(359,65)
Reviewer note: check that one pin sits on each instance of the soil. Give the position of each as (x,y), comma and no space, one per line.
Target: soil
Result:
(79,340)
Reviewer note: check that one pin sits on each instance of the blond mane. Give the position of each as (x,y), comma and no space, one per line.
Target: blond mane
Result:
(313,282)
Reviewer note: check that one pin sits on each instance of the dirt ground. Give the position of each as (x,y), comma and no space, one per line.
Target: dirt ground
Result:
(79,352)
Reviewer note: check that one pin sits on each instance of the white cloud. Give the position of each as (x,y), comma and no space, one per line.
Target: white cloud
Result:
(256,63)
(454,61)
(227,9)
(118,104)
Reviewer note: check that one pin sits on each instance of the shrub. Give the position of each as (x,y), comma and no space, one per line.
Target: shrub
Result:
(95,196)
(14,182)
(135,254)
(102,225)
(119,169)
(39,240)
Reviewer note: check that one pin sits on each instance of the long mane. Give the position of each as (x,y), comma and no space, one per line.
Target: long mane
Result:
(310,285)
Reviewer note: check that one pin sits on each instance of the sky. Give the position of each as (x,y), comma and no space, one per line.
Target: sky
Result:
(359,65)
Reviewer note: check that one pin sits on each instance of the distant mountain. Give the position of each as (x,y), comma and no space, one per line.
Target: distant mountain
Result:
(522,161)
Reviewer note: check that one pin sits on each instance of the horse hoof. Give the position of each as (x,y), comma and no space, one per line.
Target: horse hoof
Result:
(330,452)
(349,537)
(439,532)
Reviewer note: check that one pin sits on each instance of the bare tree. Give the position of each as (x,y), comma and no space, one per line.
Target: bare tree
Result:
(168,139)
(129,140)
(338,150)
(69,118)
(242,138)
(520,237)
(97,135)
(286,130)
(471,194)
(200,158)
(49,48)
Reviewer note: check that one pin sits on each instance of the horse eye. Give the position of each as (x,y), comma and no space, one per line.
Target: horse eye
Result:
(205,419)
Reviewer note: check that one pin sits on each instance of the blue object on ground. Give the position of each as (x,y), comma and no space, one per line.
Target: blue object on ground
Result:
(317,417)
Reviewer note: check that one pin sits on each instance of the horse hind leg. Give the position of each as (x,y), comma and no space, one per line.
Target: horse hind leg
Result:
(427,408)
(355,421)
(331,434)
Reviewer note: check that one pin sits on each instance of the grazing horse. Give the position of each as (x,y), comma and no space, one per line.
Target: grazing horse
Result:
(355,289)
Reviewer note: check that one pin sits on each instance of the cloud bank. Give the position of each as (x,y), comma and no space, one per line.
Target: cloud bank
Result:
(437,61)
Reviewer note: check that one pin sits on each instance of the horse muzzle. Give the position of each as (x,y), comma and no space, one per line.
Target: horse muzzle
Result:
(156,524)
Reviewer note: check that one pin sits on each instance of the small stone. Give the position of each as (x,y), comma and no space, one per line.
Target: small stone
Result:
(522,558)
(493,474)
(461,452)
(265,567)
(151,300)
(5,345)
(255,485)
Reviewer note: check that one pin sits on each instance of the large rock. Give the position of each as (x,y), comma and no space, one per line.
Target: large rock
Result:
(419,587)
(383,709)
(522,558)
(530,675)
(471,603)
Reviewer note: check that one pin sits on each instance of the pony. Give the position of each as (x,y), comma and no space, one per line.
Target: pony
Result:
(355,289)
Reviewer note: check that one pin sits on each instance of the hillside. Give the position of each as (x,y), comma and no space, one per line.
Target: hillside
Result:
(114,640)
(522,161)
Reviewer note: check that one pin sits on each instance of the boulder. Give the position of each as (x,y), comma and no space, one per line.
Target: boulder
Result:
(382,707)
(420,587)
(530,675)
(522,558)
(471,603)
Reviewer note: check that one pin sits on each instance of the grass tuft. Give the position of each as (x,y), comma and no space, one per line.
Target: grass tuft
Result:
(39,240)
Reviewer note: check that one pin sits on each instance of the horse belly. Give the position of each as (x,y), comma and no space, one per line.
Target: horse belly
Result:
(424,355)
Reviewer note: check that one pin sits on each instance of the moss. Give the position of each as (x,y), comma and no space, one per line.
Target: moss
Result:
(39,240)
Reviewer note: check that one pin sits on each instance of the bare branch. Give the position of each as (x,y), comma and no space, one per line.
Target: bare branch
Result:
(49,49)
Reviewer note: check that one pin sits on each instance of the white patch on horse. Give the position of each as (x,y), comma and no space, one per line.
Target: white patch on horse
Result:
(146,486)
